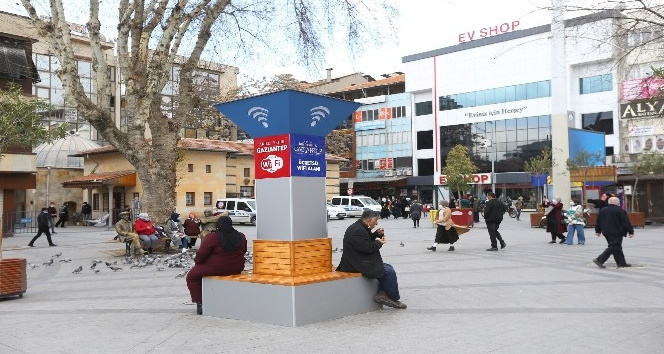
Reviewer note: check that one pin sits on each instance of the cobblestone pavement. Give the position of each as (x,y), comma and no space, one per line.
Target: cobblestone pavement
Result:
(531,297)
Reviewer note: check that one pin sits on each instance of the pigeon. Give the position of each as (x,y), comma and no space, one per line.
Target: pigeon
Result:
(96,261)
(108,264)
(159,268)
(335,250)
(49,262)
(33,266)
(78,270)
(114,268)
(401,244)
(93,266)
(65,260)
(97,271)
(57,255)
(181,275)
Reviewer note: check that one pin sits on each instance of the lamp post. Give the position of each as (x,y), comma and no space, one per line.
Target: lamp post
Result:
(48,182)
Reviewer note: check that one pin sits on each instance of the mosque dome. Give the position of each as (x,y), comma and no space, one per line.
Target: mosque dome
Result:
(56,154)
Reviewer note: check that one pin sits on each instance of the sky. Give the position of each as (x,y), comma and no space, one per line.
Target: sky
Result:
(423,25)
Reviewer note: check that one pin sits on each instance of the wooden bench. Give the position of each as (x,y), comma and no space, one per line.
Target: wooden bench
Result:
(165,242)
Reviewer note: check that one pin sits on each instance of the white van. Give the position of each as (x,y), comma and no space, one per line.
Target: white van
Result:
(356,204)
(240,210)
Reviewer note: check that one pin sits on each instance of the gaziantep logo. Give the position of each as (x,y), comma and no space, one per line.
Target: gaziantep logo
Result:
(272,163)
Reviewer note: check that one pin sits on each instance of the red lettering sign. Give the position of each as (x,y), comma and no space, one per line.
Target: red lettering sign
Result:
(272,156)
(489,31)
(476,178)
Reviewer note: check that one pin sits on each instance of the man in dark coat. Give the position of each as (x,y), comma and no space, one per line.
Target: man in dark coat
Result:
(493,216)
(613,223)
(42,227)
(361,254)
(86,210)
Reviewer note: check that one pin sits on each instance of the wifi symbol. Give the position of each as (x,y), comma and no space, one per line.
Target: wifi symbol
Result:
(259,114)
(318,113)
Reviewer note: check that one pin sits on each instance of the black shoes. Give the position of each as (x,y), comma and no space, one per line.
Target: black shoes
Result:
(598,263)
(562,241)
(432,248)
(31,245)
(199,308)
(492,249)
(503,245)
(52,245)
(554,241)
(626,265)
(383,299)
(451,248)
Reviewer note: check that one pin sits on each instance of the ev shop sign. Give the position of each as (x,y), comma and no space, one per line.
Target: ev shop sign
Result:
(475,178)
(272,156)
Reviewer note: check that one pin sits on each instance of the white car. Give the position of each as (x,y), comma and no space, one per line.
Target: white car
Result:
(335,212)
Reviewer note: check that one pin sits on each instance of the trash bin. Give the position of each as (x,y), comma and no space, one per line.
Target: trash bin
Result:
(434,215)
(463,216)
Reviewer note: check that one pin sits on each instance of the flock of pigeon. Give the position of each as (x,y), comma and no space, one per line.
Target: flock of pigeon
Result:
(183,261)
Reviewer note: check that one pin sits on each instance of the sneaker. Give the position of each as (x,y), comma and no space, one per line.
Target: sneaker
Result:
(598,263)
(451,248)
(492,249)
(432,248)
(184,250)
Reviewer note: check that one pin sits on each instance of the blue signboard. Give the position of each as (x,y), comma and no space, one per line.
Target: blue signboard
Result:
(307,155)
(590,141)
(287,111)
(26,220)
(371,125)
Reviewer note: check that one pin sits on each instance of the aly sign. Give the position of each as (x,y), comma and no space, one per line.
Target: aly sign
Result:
(641,109)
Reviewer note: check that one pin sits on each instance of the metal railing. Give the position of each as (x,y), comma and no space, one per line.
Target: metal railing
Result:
(19,222)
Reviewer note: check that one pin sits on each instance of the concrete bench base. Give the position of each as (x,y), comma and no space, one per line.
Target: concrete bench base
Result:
(243,298)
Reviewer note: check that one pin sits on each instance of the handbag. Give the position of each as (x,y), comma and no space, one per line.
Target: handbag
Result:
(407,209)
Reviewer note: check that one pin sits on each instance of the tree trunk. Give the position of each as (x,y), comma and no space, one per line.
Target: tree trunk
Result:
(158,199)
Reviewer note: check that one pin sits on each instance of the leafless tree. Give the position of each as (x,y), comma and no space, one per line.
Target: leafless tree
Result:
(155,35)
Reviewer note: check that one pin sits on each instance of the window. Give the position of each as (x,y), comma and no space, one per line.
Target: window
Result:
(95,201)
(243,206)
(208,168)
(190,167)
(247,172)
(425,140)
(593,84)
(246,191)
(190,198)
(599,122)
(207,198)
(423,108)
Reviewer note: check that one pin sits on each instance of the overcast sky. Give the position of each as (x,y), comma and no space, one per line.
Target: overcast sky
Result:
(423,25)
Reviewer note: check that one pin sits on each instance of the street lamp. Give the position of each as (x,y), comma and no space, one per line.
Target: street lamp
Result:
(48,182)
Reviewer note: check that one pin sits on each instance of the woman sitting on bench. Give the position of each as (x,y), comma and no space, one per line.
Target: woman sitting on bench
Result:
(146,231)
(221,253)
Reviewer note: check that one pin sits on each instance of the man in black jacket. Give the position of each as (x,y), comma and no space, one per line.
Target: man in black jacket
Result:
(614,224)
(493,216)
(361,254)
(42,227)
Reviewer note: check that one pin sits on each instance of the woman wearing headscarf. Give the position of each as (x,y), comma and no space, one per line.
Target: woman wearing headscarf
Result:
(175,231)
(146,231)
(445,232)
(221,253)
(192,228)
(554,219)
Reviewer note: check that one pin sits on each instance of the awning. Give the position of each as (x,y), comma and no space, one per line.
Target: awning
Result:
(14,62)
(372,180)
(117,178)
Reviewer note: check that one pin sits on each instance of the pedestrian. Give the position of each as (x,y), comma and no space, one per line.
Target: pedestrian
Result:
(602,202)
(476,209)
(575,223)
(614,224)
(63,214)
(361,254)
(86,210)
(554,218)
(425,210)
(221,253)
(52,214)
(192,228)
(445,232)
(518,205)
(493,216)
(42,227)
(416,213)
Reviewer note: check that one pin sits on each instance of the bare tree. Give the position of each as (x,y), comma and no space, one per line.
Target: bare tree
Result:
(154,35)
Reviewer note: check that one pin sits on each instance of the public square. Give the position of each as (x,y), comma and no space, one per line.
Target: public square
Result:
(531,297)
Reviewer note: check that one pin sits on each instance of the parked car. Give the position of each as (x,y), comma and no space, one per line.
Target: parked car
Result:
(240,210)
(356,204)
(335,212)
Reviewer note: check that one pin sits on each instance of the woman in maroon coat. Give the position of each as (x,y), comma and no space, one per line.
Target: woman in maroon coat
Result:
(554,219)
(221,253)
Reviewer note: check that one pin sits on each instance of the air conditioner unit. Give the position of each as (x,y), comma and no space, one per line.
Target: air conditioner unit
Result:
(389,173)
(408,171)
(399,172)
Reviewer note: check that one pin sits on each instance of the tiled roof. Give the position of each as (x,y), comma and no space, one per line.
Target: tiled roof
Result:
(384,82)
(102,176)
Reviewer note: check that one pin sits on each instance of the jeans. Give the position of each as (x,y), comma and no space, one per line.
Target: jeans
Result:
(579,233)
(518,214)
(494,235)
(388,283)
(148,240)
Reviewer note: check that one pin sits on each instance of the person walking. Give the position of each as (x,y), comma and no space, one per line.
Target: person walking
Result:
(518,205)
(493,216)
(425,210)
(614,224)
(63,214)
(575,223)
(42,227)
(361,254)
(416,213)
(554,219)
(52,214)
(445,232)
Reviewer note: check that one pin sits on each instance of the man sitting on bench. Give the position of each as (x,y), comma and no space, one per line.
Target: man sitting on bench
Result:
(124,229)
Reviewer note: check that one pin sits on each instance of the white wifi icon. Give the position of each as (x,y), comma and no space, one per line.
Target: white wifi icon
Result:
(318,113)
(259,114)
